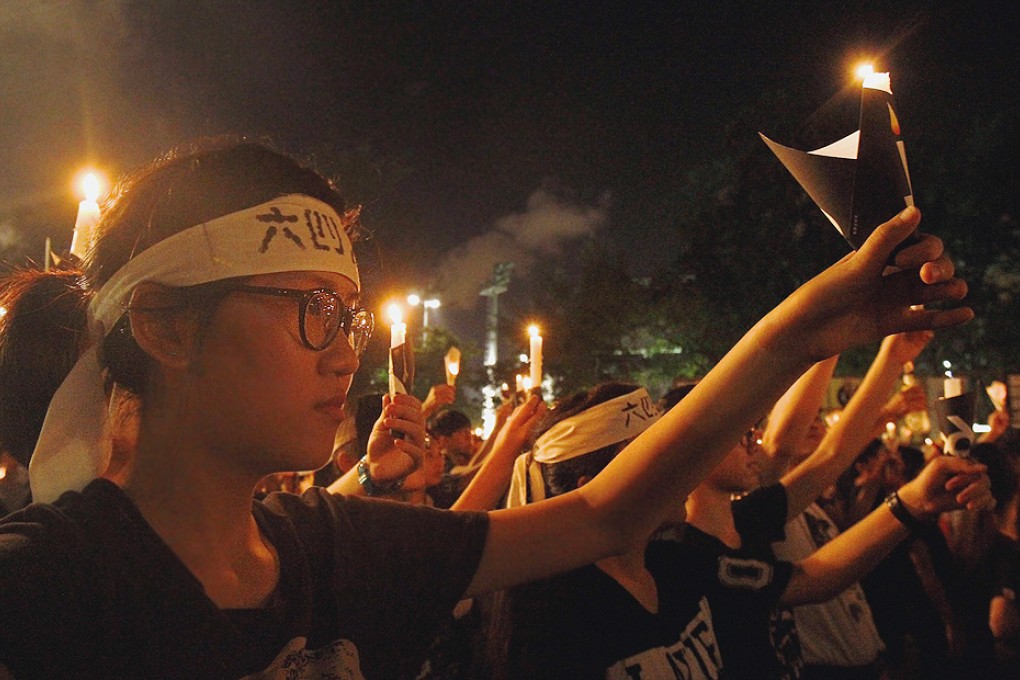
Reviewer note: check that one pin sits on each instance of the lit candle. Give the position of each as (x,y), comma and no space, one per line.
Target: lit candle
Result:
(536,357)
(398,336)
(526,384)
(452,360)
(88,216)
(398,329)
(953,387)
(519,380)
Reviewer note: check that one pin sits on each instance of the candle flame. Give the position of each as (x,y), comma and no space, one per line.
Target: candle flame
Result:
(3,471)
(864,70)
(526,383)
(395,314)
(454,369)
(90,187)
(533,330)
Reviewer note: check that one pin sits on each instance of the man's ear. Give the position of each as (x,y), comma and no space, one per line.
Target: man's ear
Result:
(160,326)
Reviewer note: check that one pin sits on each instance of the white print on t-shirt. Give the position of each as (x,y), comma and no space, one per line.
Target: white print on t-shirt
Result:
(695,656)
(744,573)
(336,661)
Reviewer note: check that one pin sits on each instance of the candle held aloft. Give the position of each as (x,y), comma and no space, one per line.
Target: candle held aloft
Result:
(536,357)
(401,355)
(88,217)
(953,387)
(452,361)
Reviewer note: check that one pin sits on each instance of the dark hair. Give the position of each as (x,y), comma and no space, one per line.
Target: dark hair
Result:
(41,335)
(448,422)
(913,461)
(45,326)
(673,396)
(1000,471)
(845,482)
(562,477)
(188,186)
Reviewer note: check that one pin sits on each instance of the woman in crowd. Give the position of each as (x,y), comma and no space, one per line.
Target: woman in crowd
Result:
(223,299)
(642,613)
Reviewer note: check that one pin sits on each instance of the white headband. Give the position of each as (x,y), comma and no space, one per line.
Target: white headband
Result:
(610,422)
(290,233)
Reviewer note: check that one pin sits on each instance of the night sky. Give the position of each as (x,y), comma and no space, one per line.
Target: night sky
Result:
(470,131)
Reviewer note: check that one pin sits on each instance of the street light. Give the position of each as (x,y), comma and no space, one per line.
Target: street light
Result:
(431,303)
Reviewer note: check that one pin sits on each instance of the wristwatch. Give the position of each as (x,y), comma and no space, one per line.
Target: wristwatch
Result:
(901,513)
(373,488)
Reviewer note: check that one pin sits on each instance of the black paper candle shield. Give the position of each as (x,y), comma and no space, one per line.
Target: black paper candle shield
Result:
(860,181)
(402,368)
(955,419)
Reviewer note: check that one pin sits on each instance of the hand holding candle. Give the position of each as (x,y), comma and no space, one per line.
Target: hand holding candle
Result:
(536,359)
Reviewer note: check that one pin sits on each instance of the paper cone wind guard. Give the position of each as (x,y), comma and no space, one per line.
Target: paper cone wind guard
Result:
(862,180)
(955,419)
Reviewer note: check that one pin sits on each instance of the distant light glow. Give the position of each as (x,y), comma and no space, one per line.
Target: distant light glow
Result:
(523,358)
(413,299)
(3,311)
(982,427)
(432,303)
(947,364)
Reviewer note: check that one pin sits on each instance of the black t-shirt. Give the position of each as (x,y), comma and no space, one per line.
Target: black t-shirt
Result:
(748,582)
(583,624)
(88,590)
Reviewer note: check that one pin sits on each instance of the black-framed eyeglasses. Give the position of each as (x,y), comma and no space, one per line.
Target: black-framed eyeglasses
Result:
(321,316)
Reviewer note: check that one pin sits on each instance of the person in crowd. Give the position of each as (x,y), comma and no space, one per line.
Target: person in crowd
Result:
(757,635)
(624,616)
(984,578)
(451,436)
(223,296)
(14,491)
(908,590)
(838,638)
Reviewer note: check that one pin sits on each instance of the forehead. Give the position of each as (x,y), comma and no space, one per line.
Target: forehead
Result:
(339,283)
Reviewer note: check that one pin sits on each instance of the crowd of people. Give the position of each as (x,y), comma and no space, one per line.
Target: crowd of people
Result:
(159,399)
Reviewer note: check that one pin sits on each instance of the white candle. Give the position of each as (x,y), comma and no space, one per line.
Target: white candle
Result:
(953,387)
(519,382)
(88,217)
(526,384)
(452,361)
(398,329)
(536,356)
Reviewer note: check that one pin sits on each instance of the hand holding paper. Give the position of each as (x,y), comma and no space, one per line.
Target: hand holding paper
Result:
(862,179)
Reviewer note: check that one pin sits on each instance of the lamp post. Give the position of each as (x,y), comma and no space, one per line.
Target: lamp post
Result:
(426,304)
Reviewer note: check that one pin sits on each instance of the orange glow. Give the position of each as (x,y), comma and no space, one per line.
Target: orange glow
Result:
(864,70)
(395,314)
